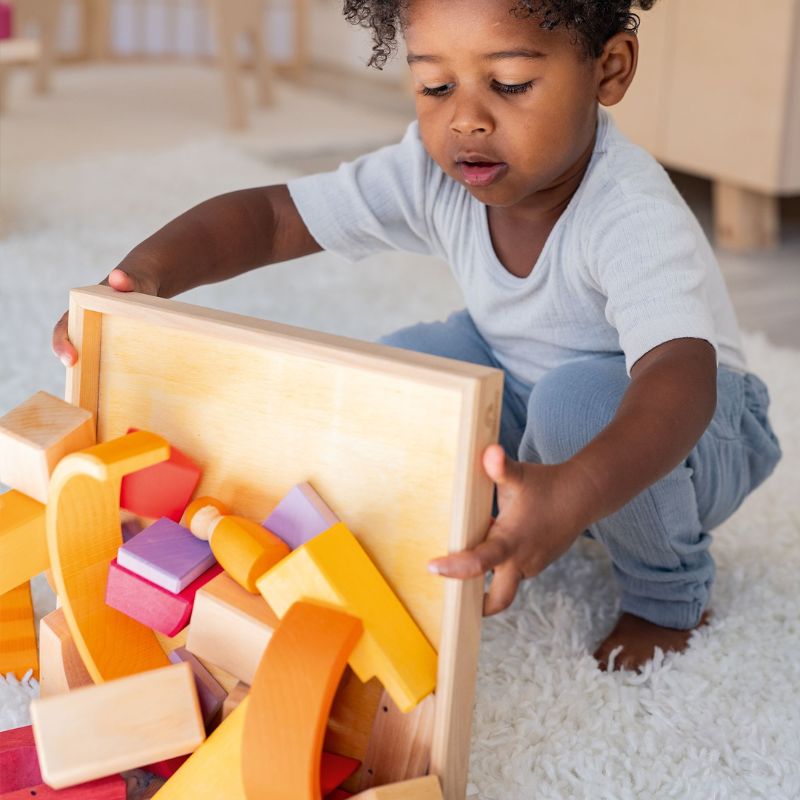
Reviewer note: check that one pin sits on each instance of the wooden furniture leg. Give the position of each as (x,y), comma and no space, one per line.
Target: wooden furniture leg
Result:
(744,219)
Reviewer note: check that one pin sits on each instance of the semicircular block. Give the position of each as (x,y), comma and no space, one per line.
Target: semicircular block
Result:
(83,535)
(290,701)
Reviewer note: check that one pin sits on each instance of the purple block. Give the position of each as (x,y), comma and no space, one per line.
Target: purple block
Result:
(300,516)
(166,554)
(131,528)
(209,692)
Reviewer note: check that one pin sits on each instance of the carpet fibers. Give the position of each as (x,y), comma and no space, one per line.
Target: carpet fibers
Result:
(720,721)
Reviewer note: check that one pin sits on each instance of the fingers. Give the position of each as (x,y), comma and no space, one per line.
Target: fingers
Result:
(62,346)
(499,467)
(472,563)
(121,281)
(502,590)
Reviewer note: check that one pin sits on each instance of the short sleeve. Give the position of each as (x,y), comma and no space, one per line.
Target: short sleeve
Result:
(649,263)
(373,204)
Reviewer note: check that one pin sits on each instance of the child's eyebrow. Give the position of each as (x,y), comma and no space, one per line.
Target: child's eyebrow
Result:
(503,54)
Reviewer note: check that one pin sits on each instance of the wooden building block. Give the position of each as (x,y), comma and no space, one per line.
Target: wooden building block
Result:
(122,724)
(166,554)
(150,604)
(245,549)
(83,535)
(300,516)
(234,697)
(290,701)
(60,663)
(35,436)
(427,788)
(21,779)
(335,770)
(399,744)
(23,543)
(333,569)
(210,694)
(163,489)
(18,652)
(230,627)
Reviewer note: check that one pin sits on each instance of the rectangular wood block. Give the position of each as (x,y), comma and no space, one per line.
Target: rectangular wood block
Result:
(300,516)
(35,436)
(427,788)
(61,666)
(18,651)
(150,604)
(167,554)
(23,541)
(234,697)
(98,730)
(230,627)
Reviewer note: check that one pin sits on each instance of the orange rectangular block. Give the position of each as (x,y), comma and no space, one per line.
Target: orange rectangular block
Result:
(18,651)
(23,541)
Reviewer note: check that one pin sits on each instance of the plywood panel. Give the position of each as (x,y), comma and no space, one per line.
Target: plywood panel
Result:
(390,439)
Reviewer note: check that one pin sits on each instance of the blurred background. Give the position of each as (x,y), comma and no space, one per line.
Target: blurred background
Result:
(119,114)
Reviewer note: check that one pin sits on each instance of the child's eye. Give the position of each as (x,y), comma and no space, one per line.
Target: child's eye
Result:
(512,88)
(437,91)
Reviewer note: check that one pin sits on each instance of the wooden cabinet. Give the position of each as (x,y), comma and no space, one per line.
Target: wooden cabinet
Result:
(717,94)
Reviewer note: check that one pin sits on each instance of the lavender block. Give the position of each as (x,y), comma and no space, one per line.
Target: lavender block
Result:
(300,516)
(210,694)
(166,554)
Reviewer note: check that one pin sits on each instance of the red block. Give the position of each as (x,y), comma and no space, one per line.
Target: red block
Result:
(167,768)
(20,777)
(153,605)
(339,794)
(163,490)
(335,770)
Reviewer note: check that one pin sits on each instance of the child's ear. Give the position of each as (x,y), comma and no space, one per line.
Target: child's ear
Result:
(615,67)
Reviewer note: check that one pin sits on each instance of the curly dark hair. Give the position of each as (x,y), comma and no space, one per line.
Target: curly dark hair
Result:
(593,22)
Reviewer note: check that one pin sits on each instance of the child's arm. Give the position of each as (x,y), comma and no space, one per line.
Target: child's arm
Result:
(218,239)
(544,508)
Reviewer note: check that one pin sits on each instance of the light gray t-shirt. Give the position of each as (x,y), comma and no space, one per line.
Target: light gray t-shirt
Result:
(625,268)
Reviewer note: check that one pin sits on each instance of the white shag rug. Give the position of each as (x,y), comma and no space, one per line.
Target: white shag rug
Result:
(720,721)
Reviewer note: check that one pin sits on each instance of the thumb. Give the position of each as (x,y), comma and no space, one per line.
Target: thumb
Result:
(499,467)
(120,280)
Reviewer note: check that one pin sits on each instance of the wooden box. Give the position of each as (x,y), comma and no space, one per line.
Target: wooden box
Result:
(390,439)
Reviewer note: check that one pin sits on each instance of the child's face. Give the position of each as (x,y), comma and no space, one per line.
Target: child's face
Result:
(495,88)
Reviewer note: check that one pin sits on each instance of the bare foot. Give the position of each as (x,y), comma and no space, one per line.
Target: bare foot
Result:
(639,639)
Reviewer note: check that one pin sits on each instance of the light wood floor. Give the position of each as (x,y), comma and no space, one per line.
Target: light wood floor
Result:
(155,106)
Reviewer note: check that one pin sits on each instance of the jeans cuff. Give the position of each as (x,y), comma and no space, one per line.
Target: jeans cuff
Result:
(667,613)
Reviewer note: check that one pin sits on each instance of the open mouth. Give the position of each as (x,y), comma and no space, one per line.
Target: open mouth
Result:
(481,173)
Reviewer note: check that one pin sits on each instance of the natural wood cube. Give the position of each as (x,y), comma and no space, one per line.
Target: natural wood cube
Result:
(35,436)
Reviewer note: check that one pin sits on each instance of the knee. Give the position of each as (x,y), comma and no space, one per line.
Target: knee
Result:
(569,406)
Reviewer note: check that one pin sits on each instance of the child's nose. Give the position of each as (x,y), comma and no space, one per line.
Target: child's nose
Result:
(471,117)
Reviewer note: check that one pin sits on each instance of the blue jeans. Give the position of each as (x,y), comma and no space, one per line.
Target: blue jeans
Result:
(659,541)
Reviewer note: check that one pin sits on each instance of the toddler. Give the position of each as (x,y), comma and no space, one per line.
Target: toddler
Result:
(628,410)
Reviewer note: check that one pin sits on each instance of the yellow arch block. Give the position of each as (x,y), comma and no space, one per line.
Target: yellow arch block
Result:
(83,535)
(333,569)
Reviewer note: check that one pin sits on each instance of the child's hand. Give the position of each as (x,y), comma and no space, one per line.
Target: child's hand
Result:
(117,279)
(538,520)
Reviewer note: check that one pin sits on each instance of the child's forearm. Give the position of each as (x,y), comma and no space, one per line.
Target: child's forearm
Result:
(221,238)
(666,409)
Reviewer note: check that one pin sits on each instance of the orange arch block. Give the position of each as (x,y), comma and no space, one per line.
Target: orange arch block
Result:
(290,702)
(83,535)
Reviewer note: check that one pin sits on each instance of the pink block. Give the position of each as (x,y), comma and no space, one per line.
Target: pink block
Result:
(300,516)
(6,21)
(150,604)
(166,554)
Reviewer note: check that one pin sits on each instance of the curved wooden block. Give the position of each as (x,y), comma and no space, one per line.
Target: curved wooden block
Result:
(83,535)
(290,701)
